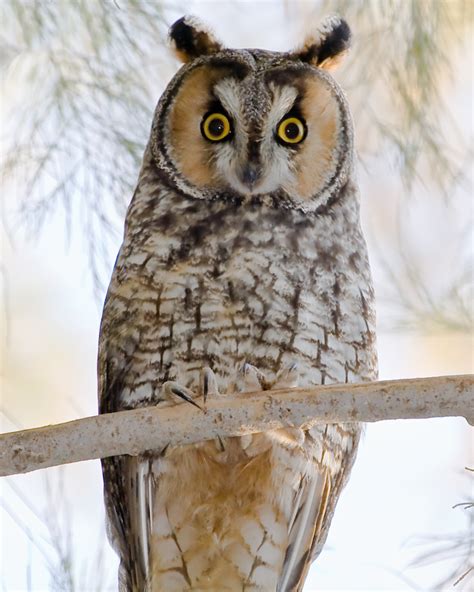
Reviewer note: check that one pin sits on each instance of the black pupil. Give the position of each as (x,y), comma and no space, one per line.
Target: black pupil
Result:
(216,127)
(292,131)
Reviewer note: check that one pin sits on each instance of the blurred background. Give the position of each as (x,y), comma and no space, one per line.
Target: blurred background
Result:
(80,80)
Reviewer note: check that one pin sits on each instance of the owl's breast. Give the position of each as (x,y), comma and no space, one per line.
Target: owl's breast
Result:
(297,296)
(222,286)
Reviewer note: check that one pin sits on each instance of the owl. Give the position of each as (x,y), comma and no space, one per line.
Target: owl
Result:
(243,267)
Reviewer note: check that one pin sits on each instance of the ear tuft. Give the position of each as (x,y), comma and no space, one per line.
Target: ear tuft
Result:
(191,39)
(329,46)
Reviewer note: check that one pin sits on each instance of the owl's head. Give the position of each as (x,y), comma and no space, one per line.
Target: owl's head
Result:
(254,124)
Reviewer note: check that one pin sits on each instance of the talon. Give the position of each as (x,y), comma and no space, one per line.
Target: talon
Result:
(173,389)
(207,383)
(287,377)
(221,443)
(263,382)
(249,379)
(164,449)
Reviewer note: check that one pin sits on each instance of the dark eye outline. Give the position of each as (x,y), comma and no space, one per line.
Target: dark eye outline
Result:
(280,131)
(211,116)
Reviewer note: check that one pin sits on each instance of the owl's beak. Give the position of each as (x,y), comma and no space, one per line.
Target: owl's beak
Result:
(250,175)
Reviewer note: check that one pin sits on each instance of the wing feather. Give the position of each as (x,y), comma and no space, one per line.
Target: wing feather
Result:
(333,453)
(128,490)
(310,506)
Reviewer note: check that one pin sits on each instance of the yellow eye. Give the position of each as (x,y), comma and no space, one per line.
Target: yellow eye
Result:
(215,127)
(291,130)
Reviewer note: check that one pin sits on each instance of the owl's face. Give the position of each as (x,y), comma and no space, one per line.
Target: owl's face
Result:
(254,123)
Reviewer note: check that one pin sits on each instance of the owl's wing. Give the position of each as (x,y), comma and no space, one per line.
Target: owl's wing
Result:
(338,482)
(128,490)
(313,508)
(311,500)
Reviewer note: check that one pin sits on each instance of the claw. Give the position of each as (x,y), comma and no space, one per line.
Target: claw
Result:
(221,444)
(173,389)
(207,383)
(287,377)
(249,379)
(164,449)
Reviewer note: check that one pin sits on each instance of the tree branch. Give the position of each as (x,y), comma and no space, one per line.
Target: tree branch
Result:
(153,428)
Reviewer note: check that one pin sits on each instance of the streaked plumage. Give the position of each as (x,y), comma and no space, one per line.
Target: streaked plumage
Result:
(243,251)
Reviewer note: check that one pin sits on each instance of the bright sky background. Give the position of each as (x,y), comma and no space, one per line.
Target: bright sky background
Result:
(408,474)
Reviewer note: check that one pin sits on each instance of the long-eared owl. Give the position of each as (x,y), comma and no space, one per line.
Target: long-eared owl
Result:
(243,267)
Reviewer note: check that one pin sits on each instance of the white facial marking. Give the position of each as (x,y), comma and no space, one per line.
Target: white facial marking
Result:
(231,158)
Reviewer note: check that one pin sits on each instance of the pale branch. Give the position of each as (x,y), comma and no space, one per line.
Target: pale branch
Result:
(153,428)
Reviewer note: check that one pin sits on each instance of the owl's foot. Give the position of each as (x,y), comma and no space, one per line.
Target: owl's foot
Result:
(287,377)
(249,379)
(208,384)
(173,391)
